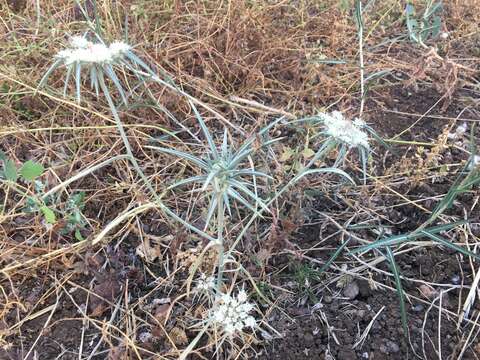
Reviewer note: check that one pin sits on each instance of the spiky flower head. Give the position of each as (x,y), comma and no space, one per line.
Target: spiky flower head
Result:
(86,52)
(99,59)
(205,283)
(232,314)
(79,42)
(344,130)
(475,162)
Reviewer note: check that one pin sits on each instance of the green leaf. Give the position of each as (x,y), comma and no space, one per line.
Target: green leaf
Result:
(48,214)
(31,170)
(78,235)
(451,245)
(398,284)
(398,239)
(334,256)
(10,170)
(3,156)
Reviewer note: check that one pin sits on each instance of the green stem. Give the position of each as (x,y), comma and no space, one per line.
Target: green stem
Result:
(358,11)
(124,137)
(221,250)
(136,166)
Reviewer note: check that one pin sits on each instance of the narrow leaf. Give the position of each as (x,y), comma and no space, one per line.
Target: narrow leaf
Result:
(398,239)
(451,245)
(398,284)
(334,256)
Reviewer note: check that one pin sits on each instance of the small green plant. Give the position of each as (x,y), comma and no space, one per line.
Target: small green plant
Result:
(305,275)
(428,26)
(384,244)
(75,221)
(27,173)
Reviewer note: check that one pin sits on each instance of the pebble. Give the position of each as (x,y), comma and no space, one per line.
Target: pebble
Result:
(393,347)
(351,291)
(418,308)
(365,290)
(455,279)
(361,313)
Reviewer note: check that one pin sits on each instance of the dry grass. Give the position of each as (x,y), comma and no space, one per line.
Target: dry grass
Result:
(249,62)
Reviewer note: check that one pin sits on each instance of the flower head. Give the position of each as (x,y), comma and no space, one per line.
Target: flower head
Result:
(100,61)
(344,130)
(205,283)
(79,42)
(119,48)
(232,313)
(86,52)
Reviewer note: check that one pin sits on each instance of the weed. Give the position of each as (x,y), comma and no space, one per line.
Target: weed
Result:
(28,174)
(428,26)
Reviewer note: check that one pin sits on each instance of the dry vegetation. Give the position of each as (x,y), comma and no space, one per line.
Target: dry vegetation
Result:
(111,277)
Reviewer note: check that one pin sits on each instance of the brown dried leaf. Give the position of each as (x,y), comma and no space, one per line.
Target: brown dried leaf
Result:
(107,289)
(161,312)
(178,336)
(148,250)
(427,291)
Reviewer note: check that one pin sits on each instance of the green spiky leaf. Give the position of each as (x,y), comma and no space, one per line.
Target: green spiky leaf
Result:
(49,215)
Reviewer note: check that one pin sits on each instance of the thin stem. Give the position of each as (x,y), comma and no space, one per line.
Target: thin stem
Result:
(124,137)
(82,174)
(136,166)
(221,247)
(320,154)
(360,46)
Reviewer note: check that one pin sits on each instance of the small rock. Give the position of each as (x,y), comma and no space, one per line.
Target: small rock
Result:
(361,313)
(393,347)
(351,291)
(455,279)
(418,308)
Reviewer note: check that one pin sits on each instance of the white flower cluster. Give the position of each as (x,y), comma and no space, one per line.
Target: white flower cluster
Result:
(87,52)
(346,131)
(475,162)
(232,313)
(205,283)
